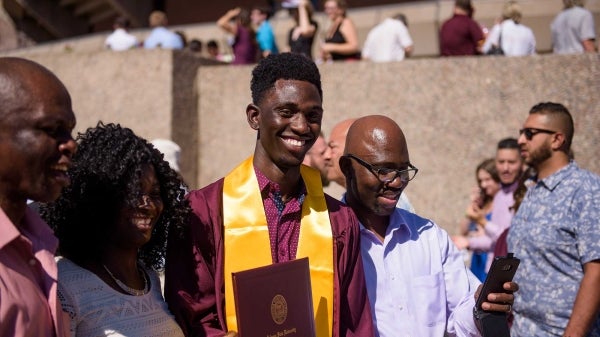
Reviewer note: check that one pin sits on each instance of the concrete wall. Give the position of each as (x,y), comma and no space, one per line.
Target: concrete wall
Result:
(453,110)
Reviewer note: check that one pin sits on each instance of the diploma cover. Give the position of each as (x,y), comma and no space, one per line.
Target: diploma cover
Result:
(274,300)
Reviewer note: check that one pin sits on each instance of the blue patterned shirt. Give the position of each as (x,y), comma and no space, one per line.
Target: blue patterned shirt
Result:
(555,232)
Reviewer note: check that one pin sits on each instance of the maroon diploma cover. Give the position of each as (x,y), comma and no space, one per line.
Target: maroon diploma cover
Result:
(274,300)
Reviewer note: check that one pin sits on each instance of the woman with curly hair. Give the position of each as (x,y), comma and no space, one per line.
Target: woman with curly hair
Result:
(112,223)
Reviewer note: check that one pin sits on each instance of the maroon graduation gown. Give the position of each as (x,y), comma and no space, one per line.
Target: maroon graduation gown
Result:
(194,284)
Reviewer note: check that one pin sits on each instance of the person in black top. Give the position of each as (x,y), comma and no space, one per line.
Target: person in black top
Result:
(302,35)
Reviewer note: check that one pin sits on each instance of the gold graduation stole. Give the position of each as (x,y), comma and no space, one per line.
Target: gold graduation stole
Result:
(247,242)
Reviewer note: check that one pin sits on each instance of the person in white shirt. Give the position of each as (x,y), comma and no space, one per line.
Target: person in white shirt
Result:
(515,38)
(388,41)
(573,29)
(161,36)
(120,39)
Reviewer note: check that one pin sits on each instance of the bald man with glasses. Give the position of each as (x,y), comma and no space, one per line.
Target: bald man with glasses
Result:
(417,282)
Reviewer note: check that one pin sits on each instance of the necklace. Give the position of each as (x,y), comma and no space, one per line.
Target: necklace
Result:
(128,289)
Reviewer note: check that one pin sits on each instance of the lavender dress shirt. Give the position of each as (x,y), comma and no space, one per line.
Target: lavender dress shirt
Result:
(417,281)
(502,215)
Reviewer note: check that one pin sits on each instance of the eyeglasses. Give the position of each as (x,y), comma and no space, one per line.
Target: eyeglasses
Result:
(530,132)
(387,175)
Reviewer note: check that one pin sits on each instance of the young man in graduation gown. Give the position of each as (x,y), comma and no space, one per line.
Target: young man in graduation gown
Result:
(270,209)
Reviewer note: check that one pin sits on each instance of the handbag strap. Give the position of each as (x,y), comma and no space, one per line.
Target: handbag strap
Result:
(500,37)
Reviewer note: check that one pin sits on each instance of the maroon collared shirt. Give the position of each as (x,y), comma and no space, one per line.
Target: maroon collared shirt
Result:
(283,218)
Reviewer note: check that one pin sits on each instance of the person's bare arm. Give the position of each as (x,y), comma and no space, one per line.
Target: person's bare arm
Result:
(348,30)
(306,28)
(587,302)
(225,22)
(589,46)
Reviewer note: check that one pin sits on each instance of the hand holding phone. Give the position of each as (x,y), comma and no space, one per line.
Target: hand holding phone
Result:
(502,270)
(494,323)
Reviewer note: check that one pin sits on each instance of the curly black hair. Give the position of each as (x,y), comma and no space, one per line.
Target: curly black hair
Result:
(105,176)
(286,66)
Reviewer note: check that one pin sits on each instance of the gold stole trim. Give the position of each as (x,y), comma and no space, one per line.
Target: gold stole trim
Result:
(247,242)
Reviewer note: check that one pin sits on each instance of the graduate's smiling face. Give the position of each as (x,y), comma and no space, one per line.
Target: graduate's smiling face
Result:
(288,121)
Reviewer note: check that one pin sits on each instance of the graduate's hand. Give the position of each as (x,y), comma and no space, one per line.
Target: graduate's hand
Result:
(231,334)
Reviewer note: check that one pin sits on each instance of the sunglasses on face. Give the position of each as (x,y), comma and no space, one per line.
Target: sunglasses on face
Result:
(387,175)
(530,132)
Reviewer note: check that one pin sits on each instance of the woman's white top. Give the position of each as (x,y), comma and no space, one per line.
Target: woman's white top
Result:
(517,39)
(96,309)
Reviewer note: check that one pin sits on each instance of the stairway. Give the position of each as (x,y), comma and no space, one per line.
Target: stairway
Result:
(45,20)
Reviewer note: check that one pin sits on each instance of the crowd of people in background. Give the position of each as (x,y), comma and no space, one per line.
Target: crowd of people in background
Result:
(250,35)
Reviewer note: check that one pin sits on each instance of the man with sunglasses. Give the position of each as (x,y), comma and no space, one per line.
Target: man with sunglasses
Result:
(417,282)
(556,233)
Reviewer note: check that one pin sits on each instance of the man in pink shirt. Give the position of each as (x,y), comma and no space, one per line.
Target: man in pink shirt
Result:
(36,146)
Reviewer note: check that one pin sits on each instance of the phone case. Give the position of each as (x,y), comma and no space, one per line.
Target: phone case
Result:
(502,270)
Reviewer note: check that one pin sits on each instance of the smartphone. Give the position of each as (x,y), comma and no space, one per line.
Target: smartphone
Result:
(481,200)
(502,270)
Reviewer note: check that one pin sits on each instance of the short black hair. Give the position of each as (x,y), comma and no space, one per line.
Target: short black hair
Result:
(508,143)
(263,10)
(561,113)
(286,66)
(466,5)
(105,177)
(195,45)
(212,44)
(122,22)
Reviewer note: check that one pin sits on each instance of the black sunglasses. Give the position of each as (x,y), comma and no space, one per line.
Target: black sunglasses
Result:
(385,174)
(530,132)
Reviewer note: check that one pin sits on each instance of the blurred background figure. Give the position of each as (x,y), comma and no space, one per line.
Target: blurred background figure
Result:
(388,41)
(341,37)
(514,38)
(480,206)
(214,52)
(319,157)
(461,35)
(170,150)
(302,35)
(195,46)
(120,39)
(264,31)
(183,37)
(161,36)
(573,29)
(337,144)
(237,23)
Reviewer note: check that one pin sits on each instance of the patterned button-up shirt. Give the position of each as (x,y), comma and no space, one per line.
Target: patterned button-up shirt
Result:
(555,232)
